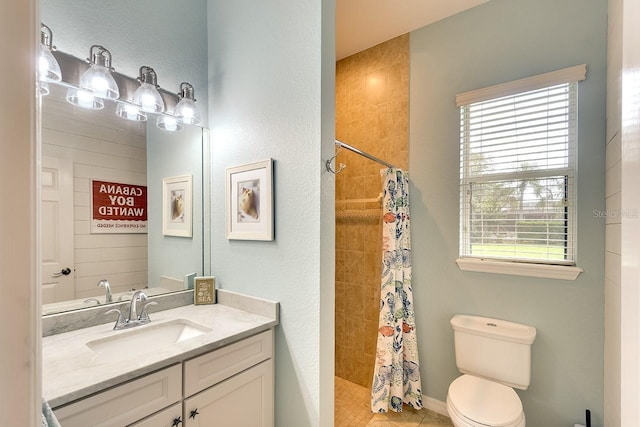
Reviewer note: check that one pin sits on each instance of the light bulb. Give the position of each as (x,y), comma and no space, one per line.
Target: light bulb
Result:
(100,82)
(85,99)
(168,123)
(130,112)
(98,79)
(148,98)
(187,112)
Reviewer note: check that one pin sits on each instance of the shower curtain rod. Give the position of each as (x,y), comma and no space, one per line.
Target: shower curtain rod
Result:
(362,153)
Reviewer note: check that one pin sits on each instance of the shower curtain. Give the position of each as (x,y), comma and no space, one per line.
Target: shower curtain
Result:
(396,378)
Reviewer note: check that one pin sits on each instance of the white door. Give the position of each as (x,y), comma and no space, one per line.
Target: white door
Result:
(57,230)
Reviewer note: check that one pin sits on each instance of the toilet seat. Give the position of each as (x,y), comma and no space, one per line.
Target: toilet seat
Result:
(476,402)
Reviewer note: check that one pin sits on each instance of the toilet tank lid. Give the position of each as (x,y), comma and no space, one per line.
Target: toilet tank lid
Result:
(494,328)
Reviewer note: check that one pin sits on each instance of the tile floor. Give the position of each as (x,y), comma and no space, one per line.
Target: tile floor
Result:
(352,410)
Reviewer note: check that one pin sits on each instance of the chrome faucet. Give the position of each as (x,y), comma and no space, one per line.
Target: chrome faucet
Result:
(134,319)
(104,283)
(133,307)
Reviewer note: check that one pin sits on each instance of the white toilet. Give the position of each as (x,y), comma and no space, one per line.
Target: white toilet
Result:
(494,356)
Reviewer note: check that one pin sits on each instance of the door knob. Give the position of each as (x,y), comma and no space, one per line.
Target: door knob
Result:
(64,272)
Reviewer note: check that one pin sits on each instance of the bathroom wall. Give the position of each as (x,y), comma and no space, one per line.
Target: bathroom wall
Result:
(372,114)
(271,82)
(497,42)
(171,154)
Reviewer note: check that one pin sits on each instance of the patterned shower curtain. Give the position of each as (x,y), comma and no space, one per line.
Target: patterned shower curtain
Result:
(396,378)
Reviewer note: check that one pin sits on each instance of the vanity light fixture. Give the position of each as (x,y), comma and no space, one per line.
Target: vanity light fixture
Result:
(84,98)
(96,81)
(48,67)
(147,95)
(130,112)
(146,99)
(169,123)
(186,110)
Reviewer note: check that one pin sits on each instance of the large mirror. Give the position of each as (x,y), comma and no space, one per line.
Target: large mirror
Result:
(94,163)
(92,153)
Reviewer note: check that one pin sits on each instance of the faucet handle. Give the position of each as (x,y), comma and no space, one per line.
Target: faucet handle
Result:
(120,322)
(139,296)
(144,316)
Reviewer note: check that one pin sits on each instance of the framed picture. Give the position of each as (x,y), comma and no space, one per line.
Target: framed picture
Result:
(176,206)
(249,201)
(204,290)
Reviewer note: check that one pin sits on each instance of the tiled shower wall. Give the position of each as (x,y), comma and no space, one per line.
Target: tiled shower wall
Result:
(372,114)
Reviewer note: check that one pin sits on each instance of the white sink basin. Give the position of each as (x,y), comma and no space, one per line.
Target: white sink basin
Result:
(145,339)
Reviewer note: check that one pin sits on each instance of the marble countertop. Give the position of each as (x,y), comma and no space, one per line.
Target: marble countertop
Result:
(71,370)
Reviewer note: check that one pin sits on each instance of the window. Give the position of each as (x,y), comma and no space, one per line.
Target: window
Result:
(518,169)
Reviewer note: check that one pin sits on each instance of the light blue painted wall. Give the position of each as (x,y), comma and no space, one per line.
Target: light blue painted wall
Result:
(500,41)
(163,34)
(271,95)
(171,154)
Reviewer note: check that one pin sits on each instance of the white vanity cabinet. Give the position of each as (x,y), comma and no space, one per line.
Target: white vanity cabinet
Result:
(232,386)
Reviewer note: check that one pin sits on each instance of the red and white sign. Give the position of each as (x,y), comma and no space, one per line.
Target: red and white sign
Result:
(118,208)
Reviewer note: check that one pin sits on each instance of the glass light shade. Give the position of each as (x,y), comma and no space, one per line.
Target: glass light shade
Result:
(44,88)
(148,98)
(84,99)
(187,112)
(48,67)
(168,123)
(99,81)
(130,112)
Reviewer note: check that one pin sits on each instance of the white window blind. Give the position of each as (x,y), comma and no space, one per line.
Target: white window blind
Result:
(517,169)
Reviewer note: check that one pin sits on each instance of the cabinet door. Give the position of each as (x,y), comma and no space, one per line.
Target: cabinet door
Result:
(209,369)
(170,417)
(125,403)
(244,400)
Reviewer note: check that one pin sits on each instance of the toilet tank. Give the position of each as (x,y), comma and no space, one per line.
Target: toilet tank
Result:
(494,349)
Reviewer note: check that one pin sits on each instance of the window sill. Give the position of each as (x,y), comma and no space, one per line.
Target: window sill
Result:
(562,272)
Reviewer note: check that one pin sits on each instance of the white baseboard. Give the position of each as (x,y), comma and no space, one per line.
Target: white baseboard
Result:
(435,405)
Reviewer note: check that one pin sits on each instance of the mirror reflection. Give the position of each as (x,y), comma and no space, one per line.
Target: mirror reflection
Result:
(111,205)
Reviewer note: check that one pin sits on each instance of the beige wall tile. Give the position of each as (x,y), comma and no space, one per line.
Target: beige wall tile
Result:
(372,114)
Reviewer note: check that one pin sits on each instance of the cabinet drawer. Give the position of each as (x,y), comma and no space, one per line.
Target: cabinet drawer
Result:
(125,403)
(209,369)
(170,417)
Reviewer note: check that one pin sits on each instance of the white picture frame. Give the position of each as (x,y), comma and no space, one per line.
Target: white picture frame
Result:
(249,201)
(177,203)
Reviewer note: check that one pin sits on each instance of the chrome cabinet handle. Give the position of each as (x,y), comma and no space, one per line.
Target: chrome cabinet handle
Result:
(64,272)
